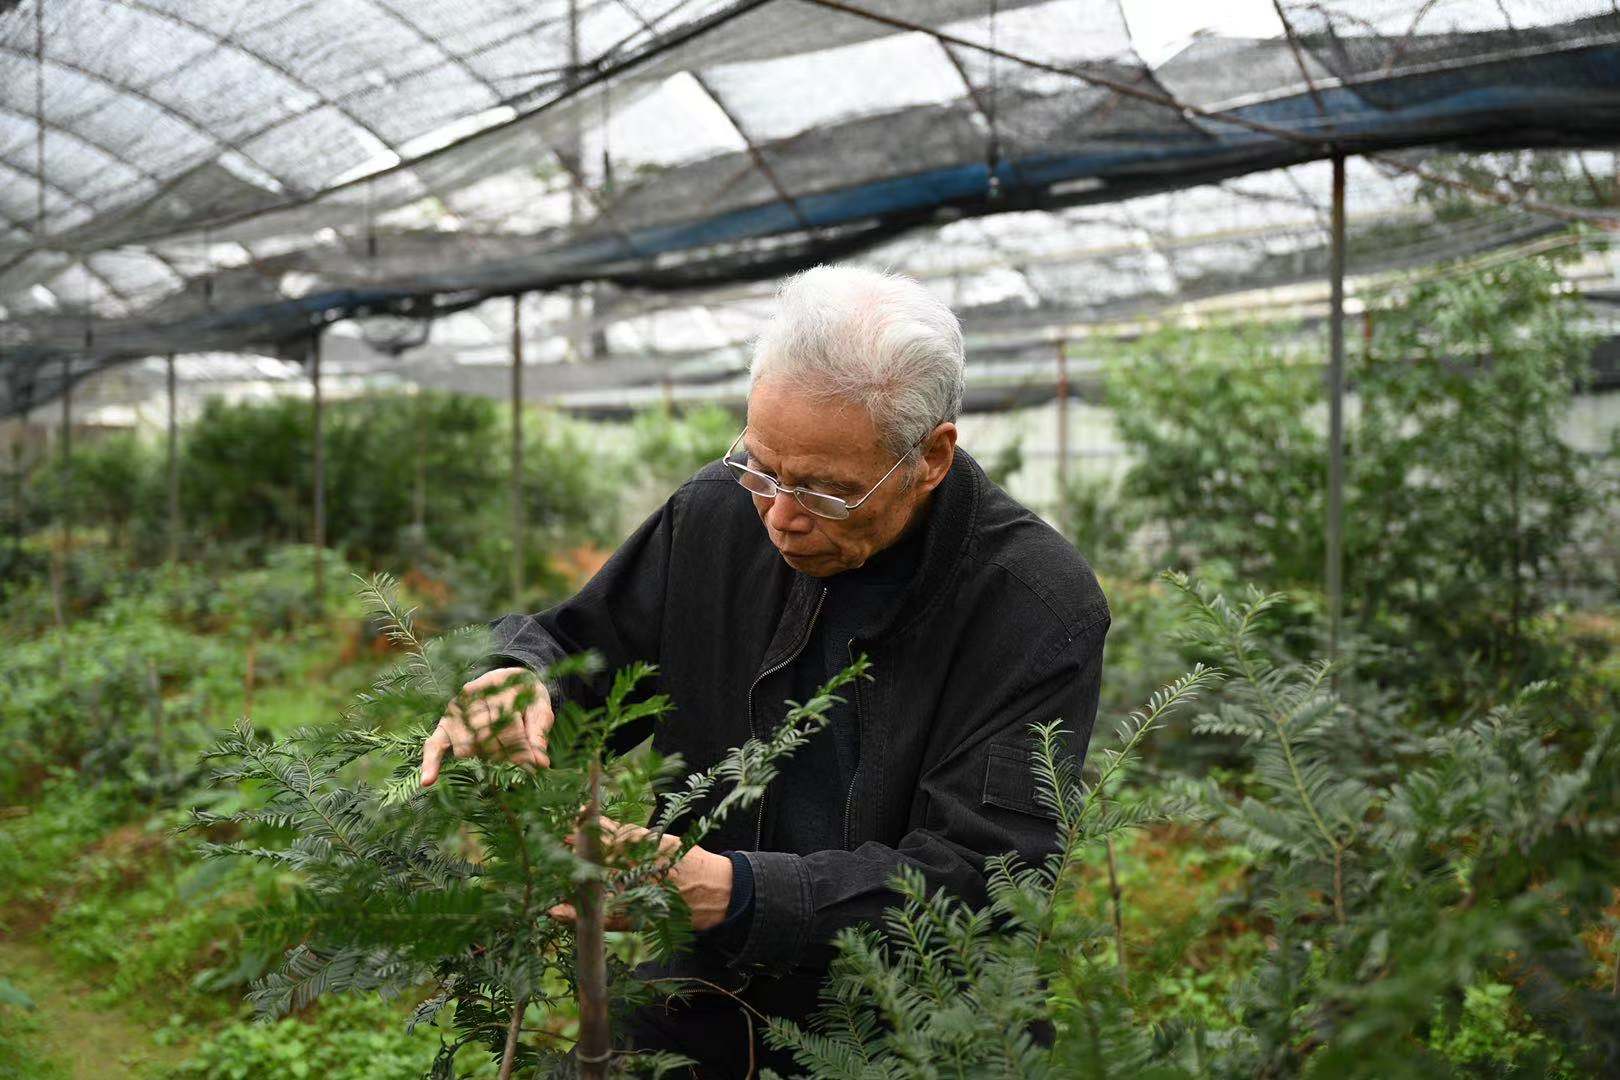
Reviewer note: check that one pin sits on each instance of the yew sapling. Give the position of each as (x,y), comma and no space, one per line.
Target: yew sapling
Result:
(450,893)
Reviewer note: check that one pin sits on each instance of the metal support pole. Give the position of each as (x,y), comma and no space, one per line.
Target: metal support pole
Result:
(419,496)
(578,336)
(67,455)
(1063,419)
(19,433)
(517,449)
(174,469)
(318,447)
(1335,504)
(39,122)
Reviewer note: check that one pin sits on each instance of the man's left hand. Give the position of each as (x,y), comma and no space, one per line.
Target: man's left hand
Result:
(702,876)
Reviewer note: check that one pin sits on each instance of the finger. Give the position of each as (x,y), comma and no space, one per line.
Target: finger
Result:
(461,743)
(528,759)
(494,726)
(504,728)
(537,721)
(433,753)
(493,677)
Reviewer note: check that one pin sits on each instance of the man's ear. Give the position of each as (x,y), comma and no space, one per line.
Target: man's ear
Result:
(938,453)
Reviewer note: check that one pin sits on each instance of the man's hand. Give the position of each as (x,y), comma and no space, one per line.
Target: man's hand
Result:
(481,721)
(703,877)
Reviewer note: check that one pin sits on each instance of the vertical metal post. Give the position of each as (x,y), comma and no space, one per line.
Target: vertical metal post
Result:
(517,449)
(174,468)
(39,120)
(318,447)
(1062,418)
(419,497)
(22,400)
(19,432)
(579,336)
(1335,502)
(67,454)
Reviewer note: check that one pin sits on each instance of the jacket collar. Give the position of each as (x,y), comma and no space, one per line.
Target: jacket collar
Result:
(946,542)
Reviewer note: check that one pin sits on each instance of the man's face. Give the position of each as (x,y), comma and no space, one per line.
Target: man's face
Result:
(834,449)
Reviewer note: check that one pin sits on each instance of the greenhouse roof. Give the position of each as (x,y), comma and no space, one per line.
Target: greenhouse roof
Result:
(196,175)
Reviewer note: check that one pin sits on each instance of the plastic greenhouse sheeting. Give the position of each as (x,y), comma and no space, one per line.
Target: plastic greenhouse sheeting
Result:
(194,175)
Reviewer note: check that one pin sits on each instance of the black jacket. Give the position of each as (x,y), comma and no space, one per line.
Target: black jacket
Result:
(1002,626)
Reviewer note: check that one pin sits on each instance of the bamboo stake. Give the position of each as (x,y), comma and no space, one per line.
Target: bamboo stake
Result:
(595,1040)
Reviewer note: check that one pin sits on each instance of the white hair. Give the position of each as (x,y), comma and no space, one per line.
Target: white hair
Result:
(876,339)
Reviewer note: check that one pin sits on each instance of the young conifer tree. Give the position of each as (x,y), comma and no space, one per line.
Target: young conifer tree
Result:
(444,892)
(947,989)
(1400,871)
(1394,874)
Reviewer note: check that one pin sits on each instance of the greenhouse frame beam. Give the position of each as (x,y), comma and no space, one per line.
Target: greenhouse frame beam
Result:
(191,123)
(1093,79)
(279,69)
(76,137)
(83,260)
(601,69)
(82,140)
(756,154)
(234,46)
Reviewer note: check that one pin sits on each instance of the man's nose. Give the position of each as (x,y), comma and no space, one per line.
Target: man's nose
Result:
(786,515)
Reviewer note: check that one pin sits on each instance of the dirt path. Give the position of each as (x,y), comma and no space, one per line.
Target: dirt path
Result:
(86,1041)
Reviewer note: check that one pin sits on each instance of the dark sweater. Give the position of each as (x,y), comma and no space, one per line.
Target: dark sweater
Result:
(808,800)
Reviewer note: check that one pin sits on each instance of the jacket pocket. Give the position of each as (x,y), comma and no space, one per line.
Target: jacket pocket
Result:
(1009,778)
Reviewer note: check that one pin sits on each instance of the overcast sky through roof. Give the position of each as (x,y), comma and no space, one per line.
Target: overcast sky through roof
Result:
(1162,28)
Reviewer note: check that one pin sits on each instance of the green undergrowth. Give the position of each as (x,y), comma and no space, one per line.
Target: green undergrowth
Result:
(350,1038)
(108,918)
(20,1029)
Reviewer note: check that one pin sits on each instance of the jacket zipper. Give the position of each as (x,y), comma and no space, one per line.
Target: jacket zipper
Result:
(849,800)
(759,808)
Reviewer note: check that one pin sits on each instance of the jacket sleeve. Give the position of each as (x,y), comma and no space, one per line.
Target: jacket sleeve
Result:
(619,613)
(981,801)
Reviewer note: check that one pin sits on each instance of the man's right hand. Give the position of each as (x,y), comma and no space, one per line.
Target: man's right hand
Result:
(481,722)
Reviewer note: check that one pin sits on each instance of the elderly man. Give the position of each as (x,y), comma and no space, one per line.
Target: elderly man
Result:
(844,520)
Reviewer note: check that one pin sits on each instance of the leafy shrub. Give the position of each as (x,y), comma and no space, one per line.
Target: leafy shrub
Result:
(401,888)
(1228,460)
(109,481)
(1468,501)
(37,846)
(963,992)
(393,463)
(1465,507)
(127,692)
(1423,903)
(351,1038)
(671,446)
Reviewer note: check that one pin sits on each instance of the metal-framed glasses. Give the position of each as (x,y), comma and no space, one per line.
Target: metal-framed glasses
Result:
(766,486)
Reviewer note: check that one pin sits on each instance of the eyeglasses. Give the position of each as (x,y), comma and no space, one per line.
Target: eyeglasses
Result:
(827,506)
